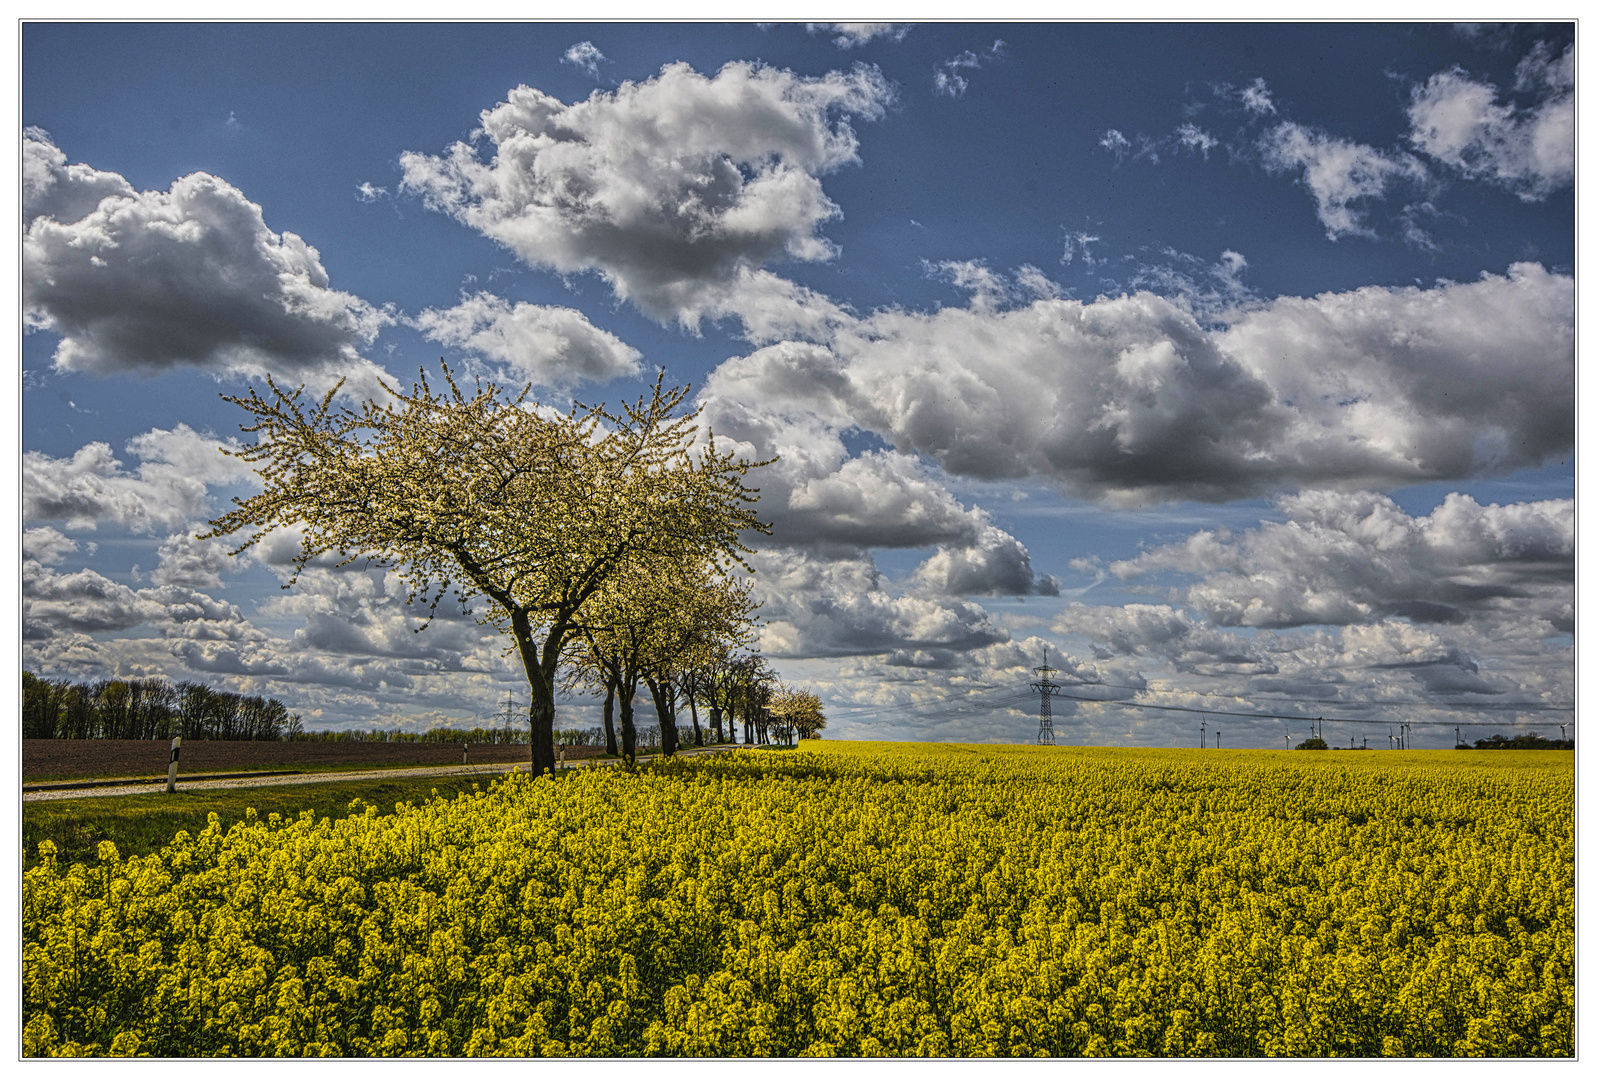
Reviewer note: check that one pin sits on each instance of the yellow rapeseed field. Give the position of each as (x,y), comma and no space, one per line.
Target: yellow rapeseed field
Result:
(850,899)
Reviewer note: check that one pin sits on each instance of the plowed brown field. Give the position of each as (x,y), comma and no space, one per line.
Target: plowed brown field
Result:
(71,759)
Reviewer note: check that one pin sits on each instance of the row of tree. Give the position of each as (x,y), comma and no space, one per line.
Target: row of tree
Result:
(606,545)
(711,671)
(147,709)
(1519,742)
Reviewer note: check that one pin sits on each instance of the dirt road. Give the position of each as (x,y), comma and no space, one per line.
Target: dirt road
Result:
(72,759)
(41,792)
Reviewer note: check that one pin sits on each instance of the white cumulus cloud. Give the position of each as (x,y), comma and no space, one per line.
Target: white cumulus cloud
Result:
(84,601)
(46,546)
(550,346)
(792,401)
(584,55)
(148,281)
(51,188)
(1404,385)
(189,562)
(850,35)
(1159,630)
(996,565)
(676,189)
(1357,558)
(1130,399)
(168,488)
(843,607)
(1461,122)
(1337,172)
(1256,98)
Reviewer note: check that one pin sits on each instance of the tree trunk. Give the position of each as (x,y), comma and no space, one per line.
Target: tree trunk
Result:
(541,734)
(668,723)
(609,718)
(629,732)
(698,732)
(541,707)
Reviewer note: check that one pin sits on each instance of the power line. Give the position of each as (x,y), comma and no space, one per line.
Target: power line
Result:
(1504,706)
(939,704)
(992,697)
(1300,716)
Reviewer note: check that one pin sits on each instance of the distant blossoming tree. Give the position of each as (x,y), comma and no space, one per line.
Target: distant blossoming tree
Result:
(798,709)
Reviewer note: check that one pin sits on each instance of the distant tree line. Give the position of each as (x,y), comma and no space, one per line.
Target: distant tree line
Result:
(735,688)
(1520,742)
(648,736)
(147,709)
(476,735)
(432,735)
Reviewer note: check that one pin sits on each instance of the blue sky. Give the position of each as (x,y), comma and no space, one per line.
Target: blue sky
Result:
(1233,363)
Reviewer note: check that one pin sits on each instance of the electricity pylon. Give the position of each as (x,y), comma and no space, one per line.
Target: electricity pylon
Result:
(1047,688)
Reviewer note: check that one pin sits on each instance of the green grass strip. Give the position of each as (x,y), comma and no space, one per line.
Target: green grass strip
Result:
(144,824)
(159,775)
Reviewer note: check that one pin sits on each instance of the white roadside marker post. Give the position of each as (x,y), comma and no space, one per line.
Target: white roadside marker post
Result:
(171,770)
